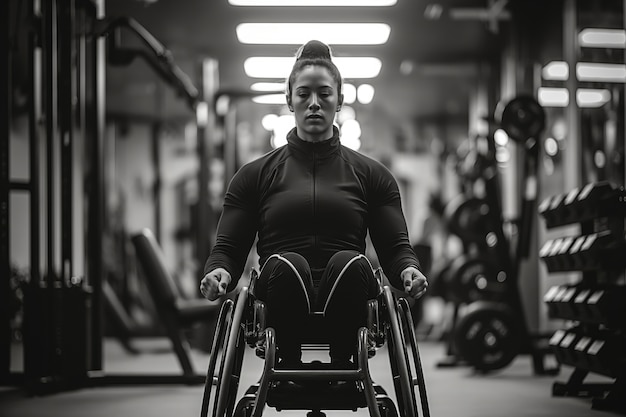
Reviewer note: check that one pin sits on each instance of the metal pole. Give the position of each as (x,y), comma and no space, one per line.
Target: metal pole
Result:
(50,57)
(571,158)
(94,141)
(156,188)
(66,121)
(206,128)
(5,267)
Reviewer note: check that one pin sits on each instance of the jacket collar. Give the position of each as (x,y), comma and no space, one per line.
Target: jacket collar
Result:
(310,149)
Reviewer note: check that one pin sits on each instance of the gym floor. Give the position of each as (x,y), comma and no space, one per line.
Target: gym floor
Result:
(514,391)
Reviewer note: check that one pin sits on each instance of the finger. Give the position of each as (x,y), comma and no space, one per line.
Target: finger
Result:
(221,289)
(408,284)
(408,279)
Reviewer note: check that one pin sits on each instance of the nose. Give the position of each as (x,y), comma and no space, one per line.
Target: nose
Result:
(314,104)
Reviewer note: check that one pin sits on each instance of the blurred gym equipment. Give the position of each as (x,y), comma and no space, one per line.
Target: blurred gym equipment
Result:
(595,306)
(176,312)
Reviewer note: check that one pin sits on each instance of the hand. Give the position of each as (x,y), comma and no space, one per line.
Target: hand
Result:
(214,284)
(415,283)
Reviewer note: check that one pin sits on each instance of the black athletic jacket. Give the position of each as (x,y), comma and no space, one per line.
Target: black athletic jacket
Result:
(314,199)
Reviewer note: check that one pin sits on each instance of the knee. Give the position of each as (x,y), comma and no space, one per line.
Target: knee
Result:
(285,264)
(351,265)
(283,276)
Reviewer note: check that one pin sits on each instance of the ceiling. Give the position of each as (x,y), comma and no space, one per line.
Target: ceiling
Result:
(441,56)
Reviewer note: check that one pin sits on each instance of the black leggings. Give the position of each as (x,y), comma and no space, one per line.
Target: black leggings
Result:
(292,291)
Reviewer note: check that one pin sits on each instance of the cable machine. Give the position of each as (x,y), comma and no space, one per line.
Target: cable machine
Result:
(63,296)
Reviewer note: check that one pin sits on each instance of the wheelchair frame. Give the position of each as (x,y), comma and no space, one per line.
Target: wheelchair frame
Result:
(242,322)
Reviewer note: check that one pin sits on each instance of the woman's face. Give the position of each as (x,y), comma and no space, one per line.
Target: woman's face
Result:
(315,99)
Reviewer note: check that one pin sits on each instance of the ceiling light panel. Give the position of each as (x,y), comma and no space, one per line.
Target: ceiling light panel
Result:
(272,87)
(555,70)
(270,99)
(602,38)
(300,33)
(589,71)
(280,67)
(316,3)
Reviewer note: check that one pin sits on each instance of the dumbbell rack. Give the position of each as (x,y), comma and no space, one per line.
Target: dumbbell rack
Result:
(594,308)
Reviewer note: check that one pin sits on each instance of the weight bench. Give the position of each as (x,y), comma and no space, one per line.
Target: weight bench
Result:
(176,313)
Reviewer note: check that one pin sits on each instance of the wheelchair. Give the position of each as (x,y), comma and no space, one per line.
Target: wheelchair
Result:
(241,323)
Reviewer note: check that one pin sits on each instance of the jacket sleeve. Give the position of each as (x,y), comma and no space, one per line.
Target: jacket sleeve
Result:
(388,230)
(236,228)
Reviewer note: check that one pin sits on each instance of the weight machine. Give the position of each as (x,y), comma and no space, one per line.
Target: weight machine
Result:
(64,62)
(491,329)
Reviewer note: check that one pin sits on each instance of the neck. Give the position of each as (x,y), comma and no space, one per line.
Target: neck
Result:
(320,137)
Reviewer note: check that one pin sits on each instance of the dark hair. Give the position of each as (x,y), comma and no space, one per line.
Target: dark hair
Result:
(314,53)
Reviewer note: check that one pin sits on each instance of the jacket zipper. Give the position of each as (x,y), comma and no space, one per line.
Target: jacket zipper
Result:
(314,200)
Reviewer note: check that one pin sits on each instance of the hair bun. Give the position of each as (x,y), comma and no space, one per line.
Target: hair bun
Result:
(314,50)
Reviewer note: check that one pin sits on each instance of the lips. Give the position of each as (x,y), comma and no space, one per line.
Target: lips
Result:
(314,116)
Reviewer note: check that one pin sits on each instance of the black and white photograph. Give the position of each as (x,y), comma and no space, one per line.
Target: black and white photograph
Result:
(316,208)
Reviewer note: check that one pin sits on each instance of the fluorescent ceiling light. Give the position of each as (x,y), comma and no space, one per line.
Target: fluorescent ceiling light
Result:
(280,67)
(269,121)
(300,33)
(590,97)
(602,38)
(318,3)
(270,99)
(272,87)
(349,93)
(555,70)
(585,97)
(553,97)
(586,71)
(365,93)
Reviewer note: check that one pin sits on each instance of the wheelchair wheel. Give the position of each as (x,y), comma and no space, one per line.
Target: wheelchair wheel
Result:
(228,347)
(219,340)
(398,358)
(408,328)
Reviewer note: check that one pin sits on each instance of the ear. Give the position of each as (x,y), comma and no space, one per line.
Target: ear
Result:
(340,102)
(289,105)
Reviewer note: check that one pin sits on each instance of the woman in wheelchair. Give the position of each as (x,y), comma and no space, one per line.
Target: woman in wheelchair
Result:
(311,203)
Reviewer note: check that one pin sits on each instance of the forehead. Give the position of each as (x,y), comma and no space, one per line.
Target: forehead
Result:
(314,76)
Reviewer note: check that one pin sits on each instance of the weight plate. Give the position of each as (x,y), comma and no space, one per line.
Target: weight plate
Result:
(487,336)
(521,118)
(471,219)
(474,279)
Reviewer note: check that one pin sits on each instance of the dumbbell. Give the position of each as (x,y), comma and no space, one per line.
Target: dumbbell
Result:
(560,301)
(555,342)
(581,359)
(566,346)
(554,254)
(565,305)
(562,255)
(549,300)
(550,210)
(581,311)
(604,355)
(607,305)
(545,252)
(592,200)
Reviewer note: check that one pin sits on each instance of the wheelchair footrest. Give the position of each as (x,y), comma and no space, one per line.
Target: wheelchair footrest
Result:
(316,395)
